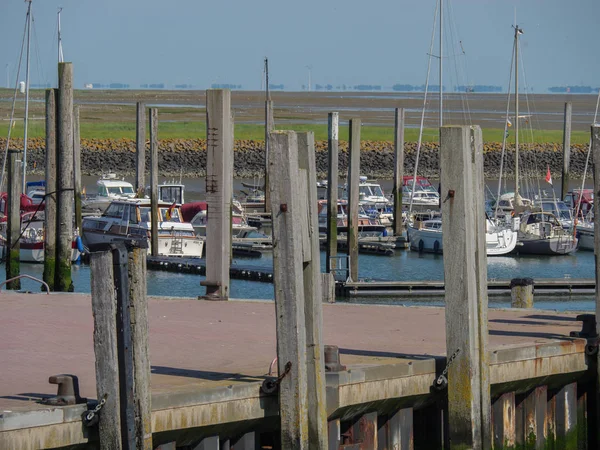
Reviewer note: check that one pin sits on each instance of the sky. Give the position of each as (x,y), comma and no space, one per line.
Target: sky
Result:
(380,42)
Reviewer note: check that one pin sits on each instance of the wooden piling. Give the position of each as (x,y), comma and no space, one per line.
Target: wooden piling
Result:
(332,189)
(352,191)
(531,419)
(288,222)
(13,246)
(77,169)
(566,150)
(595,400)
(461,162)
(104,308)
(219,182)
(269,126)
(398,169)
(65,178)
(50,199)
(138,307)
(504,424)
(140,147)
(154,181)
(313,294)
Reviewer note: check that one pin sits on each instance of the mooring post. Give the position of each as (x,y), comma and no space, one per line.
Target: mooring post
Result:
(596,168)
(13,246)
(398,169)
(269,126)
(566,150)
(65,178)
(352,191)
(289,221)
(77,168)
(154,181)
(333,122)
(140,147)
(219,180)
(104,309)
(138,307)
(461,162)
(50,199)
(521,292)
(313,294)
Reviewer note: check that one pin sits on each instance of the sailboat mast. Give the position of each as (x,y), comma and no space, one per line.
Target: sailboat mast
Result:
(441,61)
(26,95)
(61,57)
(518,31)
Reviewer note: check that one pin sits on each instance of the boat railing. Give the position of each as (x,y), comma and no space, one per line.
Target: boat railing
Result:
(29,277)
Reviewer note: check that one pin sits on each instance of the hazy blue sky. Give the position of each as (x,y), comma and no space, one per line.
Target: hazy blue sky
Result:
(346,41)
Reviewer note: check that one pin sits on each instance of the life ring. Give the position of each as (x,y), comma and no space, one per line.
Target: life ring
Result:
(436,246)
(421,245)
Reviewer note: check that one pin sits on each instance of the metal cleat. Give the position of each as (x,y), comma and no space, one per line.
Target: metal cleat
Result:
(68,391)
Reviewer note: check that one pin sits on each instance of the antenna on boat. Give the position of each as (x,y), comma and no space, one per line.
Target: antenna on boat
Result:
(441,62)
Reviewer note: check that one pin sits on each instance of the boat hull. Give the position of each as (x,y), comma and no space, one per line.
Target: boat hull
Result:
(549,246)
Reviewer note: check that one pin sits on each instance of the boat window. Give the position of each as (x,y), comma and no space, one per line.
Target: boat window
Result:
(174,215)
(133,214)
(115,210)
(114,190)
(145,214)
(171,194)
(377,191)
(2,205)
(504,203)
(127,190)
(102,191)
(364,191)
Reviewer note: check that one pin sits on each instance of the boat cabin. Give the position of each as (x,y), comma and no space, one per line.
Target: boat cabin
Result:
(109,186)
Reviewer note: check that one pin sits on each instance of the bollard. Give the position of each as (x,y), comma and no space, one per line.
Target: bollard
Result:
(332,359)
(521,292)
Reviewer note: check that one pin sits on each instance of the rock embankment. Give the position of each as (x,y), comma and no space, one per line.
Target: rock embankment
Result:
(188,156)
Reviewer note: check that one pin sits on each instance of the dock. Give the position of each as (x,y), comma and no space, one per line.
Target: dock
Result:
(209,359)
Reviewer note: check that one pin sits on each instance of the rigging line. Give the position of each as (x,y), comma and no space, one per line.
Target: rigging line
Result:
(40,69)
(512,61)
(460,72)
(420,141)
(12,111)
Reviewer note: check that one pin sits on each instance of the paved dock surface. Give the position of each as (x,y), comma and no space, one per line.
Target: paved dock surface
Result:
(197,342)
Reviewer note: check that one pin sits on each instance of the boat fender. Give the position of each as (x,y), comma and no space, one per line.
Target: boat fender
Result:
(384,232)
(436,246)
(79,244)
(421,246)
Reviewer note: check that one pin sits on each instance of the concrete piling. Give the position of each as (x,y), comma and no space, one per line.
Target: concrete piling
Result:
(566,149)
(352,187)
(332,189)
(461,162)
(398,169)
(521,292)
(219,185)
(50,202)
(77,168)
(13,235)
(140,147)
(154,219)
(65,179)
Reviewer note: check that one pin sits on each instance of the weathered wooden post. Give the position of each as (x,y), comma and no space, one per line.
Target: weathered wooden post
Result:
(13,246)
(398,169)
(596,159)
(566,150)
(219,182)
(50,200)
(333,122)
(461,162)
(140,147)
(77,168)
(313,307)
(104,308)
(521,292)
(353,181)
(154,181)
(65,178)
(290,225)
(269,126)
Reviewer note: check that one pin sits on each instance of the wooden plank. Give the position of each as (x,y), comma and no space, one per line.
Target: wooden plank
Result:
(461,162)
(154,181)
(104,308)
(64,163)
(398,169)
(352,190)
(332,189)
(50,200)
(289,288)
(503,421)
(140,147)
(77,168)
(313,294)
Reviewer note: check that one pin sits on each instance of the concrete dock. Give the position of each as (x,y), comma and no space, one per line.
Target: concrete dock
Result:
(208,360)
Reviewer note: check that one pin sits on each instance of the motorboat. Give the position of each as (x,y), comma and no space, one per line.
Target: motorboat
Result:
(109,189)
(128,219)
(169,193)
(541,233)
(197,214)
(367,226)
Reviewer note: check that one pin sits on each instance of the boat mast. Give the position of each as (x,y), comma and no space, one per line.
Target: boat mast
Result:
(26,94)
(518,31)
(61,57)
(441,61)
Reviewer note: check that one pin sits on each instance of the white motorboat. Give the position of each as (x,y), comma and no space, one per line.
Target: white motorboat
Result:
(130,219)
(109,190)
(367,226)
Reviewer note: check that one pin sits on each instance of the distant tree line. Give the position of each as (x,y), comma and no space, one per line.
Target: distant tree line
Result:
(573,89)
(110,86)
(276,87)
(225,86)
(478,88)
(153,86)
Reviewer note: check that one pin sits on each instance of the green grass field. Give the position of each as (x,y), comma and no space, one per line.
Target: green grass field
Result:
(195,130)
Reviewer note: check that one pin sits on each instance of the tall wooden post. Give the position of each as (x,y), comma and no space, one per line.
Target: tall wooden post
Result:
(51,196)
(290,231)
(398,169)
(65,178)
(333,122)
(13,246)
(140,147)
(269,126)
(313,307)
(77,168)
(104,308)
(154,181)
(219,180)
(596,168)
(566,150)
(461,161)
(352,190)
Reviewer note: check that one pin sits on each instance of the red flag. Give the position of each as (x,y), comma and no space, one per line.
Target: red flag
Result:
(548,176)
